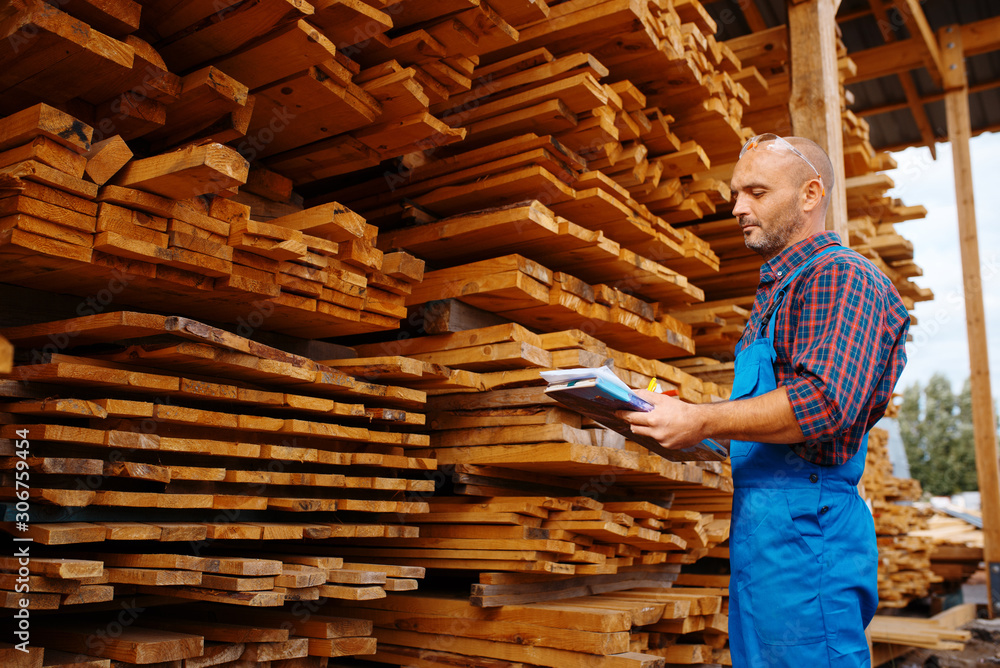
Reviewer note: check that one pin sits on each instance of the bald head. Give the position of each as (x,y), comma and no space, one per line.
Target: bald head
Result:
(820,160)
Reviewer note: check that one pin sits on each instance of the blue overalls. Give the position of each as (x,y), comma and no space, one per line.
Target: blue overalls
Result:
(802,547)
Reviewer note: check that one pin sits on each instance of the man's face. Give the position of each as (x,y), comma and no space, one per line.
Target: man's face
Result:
(767,188)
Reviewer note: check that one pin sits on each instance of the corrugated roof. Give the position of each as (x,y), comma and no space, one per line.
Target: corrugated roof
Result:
(894,126)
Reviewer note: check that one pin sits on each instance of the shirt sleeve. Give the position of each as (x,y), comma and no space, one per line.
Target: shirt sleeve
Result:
(841,347)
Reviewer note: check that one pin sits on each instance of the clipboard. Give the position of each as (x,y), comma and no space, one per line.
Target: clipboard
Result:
(598,399)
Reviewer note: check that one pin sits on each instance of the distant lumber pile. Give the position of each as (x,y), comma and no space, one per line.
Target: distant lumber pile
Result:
(904,567)
(958,547)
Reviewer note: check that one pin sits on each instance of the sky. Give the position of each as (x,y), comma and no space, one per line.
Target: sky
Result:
(940,341)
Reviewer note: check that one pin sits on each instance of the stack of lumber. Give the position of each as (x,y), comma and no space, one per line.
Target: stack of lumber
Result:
(609,506)
(601,258)
(958,548)
(641,42)
(233,580)
(873,234)
(232,110)
(894,636)
(54,583)
(289,167)
(928,633)
(544,534)
(716,327)
(166,413)
(192,636)
(603,522)
(162,234)
(202,418)
(585,190)
(904,571)
(640,628)
(883,488)
(201,171)
(181,436)
(167,461)
(310,92)
(510,355)
(598,165)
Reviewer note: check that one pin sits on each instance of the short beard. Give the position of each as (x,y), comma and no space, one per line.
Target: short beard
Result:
(773,241)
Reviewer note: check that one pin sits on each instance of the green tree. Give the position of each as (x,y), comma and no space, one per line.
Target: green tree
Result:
(909,430)
(964,456)
(936,426)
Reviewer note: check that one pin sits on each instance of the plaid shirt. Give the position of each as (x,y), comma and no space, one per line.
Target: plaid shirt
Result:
(839,338)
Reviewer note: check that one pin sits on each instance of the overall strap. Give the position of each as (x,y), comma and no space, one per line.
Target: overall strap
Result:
(767,322)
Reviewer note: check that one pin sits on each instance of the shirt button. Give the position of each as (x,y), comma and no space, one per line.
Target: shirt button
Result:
(780,273)
(813,478)
(824,510)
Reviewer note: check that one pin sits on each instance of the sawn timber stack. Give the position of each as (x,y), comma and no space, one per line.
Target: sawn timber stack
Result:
(316,254)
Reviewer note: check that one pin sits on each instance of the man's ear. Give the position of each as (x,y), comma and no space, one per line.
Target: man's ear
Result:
(813,194)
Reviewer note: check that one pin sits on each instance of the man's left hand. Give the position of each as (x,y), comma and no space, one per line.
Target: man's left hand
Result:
(673,423)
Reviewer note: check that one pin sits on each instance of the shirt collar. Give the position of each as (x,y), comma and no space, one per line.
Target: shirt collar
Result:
(787,260)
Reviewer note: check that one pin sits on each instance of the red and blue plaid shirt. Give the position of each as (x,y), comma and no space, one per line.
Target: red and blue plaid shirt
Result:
(839,337)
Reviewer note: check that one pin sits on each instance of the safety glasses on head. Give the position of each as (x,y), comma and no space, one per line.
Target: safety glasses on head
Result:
(774,142)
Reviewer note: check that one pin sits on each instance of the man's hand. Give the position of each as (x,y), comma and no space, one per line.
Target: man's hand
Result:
(768,418)
(673,423)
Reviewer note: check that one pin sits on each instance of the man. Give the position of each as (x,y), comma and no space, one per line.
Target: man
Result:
(814,371)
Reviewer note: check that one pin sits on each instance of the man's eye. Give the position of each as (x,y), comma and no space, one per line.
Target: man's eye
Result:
(757,193)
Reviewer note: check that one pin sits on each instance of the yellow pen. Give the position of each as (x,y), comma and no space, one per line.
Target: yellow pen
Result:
(654,386)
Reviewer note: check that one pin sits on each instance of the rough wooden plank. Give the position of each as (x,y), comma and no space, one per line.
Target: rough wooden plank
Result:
(106,158)
(45,121)
(186,173)
(133,645)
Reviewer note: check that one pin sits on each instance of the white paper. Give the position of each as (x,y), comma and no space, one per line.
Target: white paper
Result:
(566,375)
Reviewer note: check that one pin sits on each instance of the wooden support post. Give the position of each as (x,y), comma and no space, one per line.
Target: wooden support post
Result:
(983,420)
(814,105)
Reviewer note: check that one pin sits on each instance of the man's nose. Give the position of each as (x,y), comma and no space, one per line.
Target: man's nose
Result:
(741,207)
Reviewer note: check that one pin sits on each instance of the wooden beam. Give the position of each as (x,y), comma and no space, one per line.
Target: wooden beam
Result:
(851,16)
(975,133)
(814,106)
(906,80)
(926,99)
(905,55)
(912,16)
(918,111)
(753,16)
(983,419)
(916,22)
